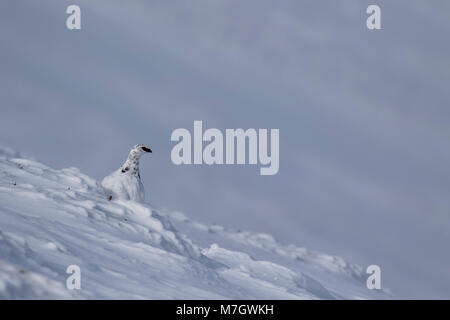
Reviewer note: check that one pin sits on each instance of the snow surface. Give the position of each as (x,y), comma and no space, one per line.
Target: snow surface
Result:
(50,219)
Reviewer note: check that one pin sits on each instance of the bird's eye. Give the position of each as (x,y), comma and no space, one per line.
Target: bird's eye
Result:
(146,149)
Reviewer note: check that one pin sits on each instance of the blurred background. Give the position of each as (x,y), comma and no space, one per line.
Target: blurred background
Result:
(363,115)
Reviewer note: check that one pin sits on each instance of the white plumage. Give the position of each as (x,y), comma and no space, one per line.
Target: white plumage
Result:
(125,183)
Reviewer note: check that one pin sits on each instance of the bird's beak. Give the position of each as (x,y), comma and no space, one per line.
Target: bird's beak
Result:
(146,149)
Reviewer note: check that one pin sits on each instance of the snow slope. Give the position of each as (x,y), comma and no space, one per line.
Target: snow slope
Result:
(50,219)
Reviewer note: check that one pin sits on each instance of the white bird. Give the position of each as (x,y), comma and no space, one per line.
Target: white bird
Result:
(125,183)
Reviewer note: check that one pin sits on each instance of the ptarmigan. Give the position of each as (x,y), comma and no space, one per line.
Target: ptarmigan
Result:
(125,183)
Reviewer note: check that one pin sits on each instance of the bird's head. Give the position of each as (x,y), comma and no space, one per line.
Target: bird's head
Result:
(139,150)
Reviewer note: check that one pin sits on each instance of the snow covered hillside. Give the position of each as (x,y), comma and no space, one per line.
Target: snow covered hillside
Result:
(50,219)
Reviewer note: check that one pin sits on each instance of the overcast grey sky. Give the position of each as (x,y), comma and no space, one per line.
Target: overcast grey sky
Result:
(363,115)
